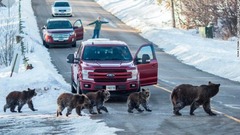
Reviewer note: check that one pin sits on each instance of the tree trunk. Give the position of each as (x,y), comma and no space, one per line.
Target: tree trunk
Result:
(238,19)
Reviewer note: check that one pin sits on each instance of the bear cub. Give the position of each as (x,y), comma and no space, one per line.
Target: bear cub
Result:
(71,101)
(136,99)
(186,94)
(98,99)
(20,98)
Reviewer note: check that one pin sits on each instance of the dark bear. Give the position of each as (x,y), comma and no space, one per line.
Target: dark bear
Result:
(186,94)
(71,101)
(98,99)
(20,98)
(136,99)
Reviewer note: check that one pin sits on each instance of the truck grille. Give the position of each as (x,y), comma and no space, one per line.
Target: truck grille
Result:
(110,75)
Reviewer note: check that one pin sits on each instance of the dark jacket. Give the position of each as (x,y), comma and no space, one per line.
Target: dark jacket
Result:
(98,24)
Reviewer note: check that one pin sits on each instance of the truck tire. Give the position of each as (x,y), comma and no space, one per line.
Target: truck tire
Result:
(79,91)
(72,87)
(74,45)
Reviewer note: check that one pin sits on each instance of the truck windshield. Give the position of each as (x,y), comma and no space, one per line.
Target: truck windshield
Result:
(59,25)
(107,53)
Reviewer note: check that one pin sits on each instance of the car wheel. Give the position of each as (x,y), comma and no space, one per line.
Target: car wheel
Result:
(45,44)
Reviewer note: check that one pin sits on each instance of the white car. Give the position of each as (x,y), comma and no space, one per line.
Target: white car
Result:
(61,8)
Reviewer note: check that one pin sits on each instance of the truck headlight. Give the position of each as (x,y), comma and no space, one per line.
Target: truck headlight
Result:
(85,74)
(134,74)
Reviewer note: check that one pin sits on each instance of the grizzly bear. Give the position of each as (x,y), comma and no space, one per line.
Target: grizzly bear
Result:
(186,94)
(98,99)
(71,101)
(20,98)
(136,99)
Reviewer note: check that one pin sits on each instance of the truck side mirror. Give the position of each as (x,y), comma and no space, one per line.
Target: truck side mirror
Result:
(70,58)
(145,58)
(44,27)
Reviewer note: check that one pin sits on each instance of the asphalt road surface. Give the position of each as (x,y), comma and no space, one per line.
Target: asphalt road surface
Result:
(171,73)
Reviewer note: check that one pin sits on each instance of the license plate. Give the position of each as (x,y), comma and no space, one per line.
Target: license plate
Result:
(58,39)
(110,87)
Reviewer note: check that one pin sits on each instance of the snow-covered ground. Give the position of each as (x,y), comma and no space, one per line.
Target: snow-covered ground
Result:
(48,84)
(211,55)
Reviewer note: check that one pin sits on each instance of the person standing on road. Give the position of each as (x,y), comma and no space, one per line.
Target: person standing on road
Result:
(98,23)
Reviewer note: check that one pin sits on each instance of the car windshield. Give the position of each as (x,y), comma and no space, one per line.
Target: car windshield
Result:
(61,4)
(59,25)
(107,53)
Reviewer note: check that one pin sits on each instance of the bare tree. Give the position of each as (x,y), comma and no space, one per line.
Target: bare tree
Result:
(197,13)
(7,45)
(238,17)
(9,29)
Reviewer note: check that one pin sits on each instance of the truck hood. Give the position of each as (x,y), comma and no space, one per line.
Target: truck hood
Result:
(60,30)
(108,64)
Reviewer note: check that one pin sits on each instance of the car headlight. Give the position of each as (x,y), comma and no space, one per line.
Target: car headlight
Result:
(48,34)
(134,74)
(72,33)
(85,74)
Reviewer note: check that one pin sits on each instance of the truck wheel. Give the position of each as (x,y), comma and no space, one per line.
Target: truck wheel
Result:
(72,88)
(79,91)
(74,45)
(139,89)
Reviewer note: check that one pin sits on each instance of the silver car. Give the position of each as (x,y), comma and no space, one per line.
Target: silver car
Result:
(61,8)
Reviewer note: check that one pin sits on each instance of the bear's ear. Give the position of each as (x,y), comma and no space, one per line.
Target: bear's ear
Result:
(25,92)
(218,85)
(31,89)
(143,89)
(209,82)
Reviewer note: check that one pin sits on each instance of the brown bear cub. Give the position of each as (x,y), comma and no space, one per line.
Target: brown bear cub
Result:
(98,99)
(186,94)
(136,99)
(20,98)
(71,101)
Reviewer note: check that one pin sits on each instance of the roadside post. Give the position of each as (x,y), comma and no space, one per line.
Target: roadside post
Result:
(16,62)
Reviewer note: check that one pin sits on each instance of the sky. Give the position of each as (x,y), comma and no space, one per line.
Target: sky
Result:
(211,55)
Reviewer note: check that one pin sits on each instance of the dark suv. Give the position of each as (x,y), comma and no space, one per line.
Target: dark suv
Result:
(106,64)
(60,32)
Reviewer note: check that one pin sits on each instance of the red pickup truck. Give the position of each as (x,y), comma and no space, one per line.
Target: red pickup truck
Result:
(109,64)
